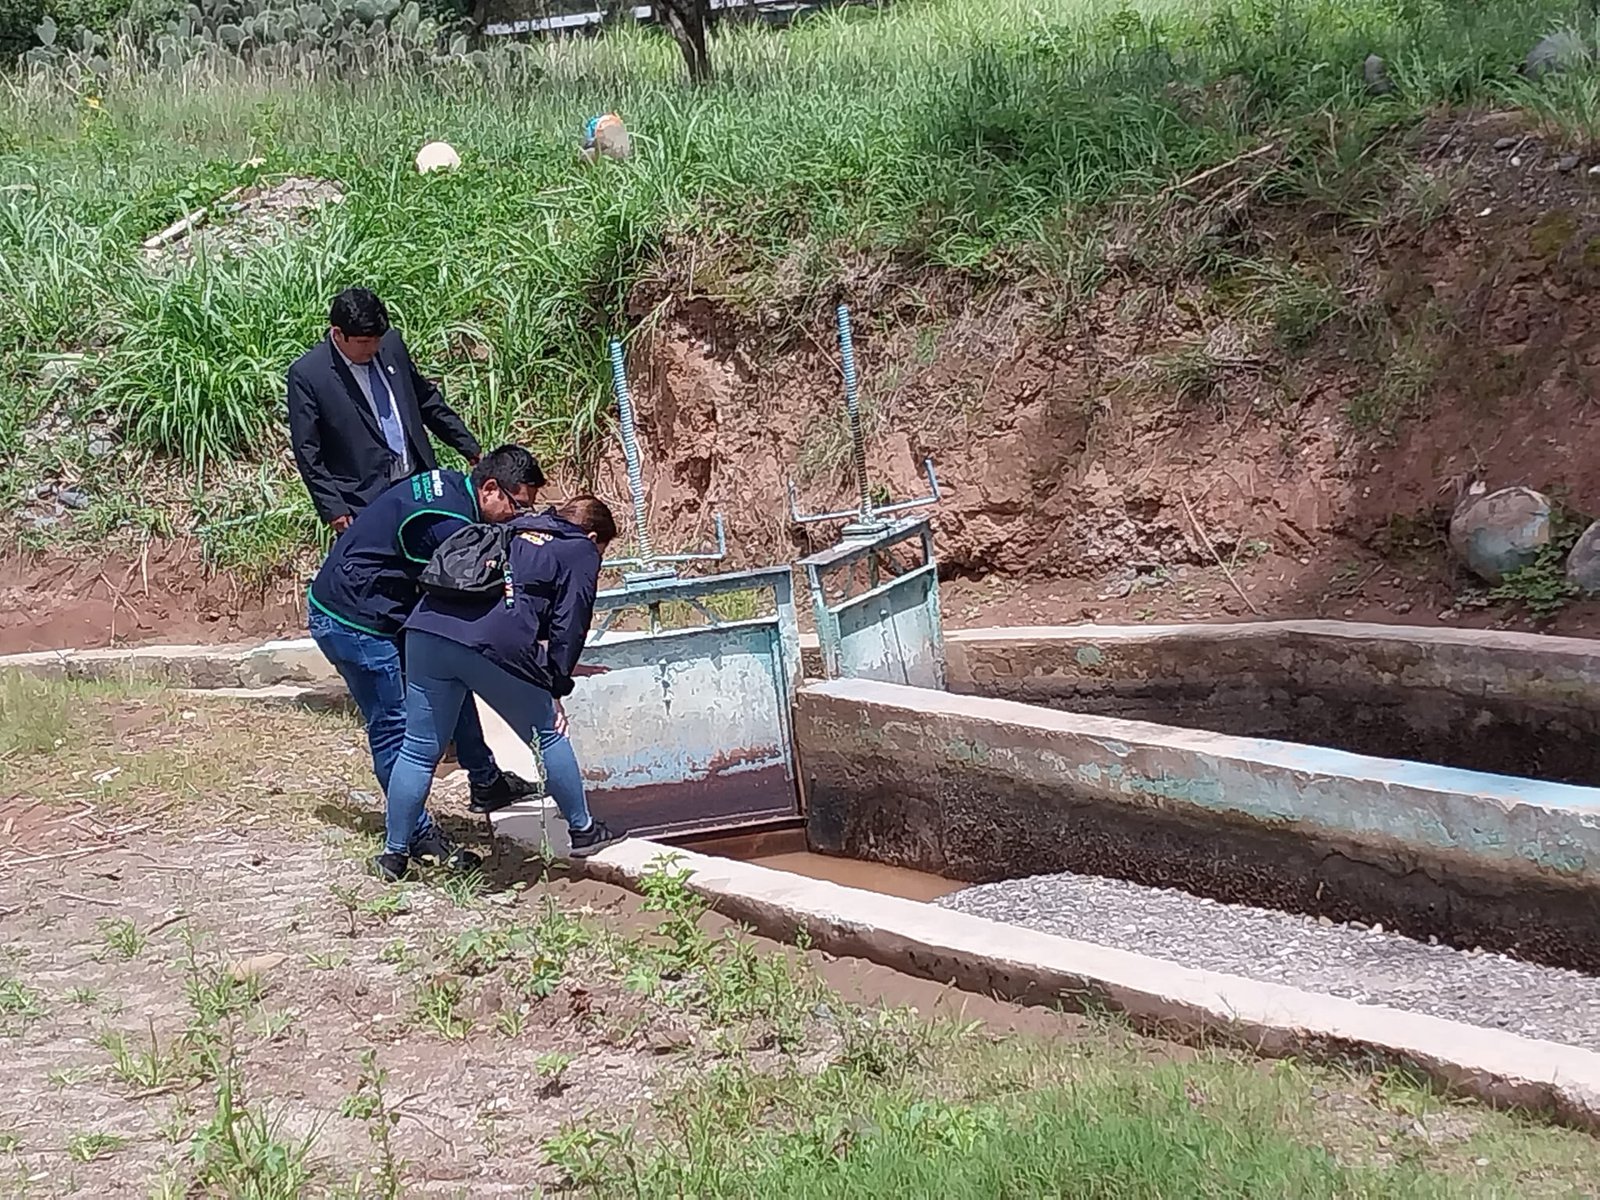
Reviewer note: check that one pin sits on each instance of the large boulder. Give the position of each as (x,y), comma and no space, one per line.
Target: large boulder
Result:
(1583,563)
(1501,532)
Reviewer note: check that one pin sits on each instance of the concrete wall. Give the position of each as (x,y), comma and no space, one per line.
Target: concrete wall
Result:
(1514,703)
(257,665)
(978,790)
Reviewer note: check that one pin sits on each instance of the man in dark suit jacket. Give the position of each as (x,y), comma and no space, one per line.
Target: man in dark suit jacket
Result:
(359,412)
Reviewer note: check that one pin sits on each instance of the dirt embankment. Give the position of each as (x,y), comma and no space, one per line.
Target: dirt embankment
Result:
(1164,451)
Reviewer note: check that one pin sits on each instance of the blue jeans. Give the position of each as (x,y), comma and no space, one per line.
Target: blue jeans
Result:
(439,676)
(372,668)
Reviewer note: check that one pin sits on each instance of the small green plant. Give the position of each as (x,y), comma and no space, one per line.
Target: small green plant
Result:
(19,1006)
(509,1022)
(1542,588)
(437,1002)
(122,937)
(397,953)
(386,904)
(327,960)
(369,1103)
(552,1071)
(148,1066)
(175,1128)
(886,1044)
(269,1024)
(87,1147)
(10,1142)
(464,888)
(242,1151)
(83,997)
(479,951)
(215,993)
(1298,302)
(665,888)
(65,1077)
(584,1155)
(1194,373)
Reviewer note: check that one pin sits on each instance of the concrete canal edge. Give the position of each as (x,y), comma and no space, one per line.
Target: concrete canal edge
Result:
(993,958)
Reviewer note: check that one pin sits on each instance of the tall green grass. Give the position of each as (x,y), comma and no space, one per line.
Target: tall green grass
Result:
(983,136)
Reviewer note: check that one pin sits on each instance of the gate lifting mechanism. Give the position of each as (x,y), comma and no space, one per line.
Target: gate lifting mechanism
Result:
(688,728)
(892,631)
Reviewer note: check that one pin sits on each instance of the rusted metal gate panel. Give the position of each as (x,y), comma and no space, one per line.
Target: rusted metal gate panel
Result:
(688,730)
(877,616)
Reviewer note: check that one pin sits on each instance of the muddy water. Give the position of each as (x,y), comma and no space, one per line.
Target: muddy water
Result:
(887,881)
(785,850)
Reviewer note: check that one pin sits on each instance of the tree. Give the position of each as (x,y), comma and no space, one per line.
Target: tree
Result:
(687,20)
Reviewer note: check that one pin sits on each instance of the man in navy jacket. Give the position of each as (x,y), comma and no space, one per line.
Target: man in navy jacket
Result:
(360,412)
(366,590)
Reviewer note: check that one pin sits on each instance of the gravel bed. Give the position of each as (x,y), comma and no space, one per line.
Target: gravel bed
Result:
(1354,961)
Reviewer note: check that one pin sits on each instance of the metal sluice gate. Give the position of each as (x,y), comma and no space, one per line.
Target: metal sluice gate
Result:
(688,730)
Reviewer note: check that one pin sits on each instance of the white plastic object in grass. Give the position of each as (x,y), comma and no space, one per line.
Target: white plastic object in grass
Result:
(437,156)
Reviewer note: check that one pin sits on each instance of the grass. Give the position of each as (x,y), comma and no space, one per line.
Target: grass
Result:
(998,140)
(87,1147)
(19,1005)
(122,937)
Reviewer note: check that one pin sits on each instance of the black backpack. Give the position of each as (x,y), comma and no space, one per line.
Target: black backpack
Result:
(473,563)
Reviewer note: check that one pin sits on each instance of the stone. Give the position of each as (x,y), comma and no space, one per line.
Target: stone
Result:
(58,368)
(1501,532)
(1554,53)
(1376,74)
(1583,563)
(1504,144)
(1568,164)
(256,965)
(536,825)
(72,498)
(437,156)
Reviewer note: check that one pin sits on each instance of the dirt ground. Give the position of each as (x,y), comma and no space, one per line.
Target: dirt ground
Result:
(203,992)
(184,901)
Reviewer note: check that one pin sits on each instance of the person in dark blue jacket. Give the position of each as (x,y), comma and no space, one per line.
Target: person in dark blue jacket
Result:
(518,654)
(367,587)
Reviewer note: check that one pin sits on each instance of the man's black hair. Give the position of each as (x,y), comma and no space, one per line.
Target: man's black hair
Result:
(357,312)
(592,515)
(512,467)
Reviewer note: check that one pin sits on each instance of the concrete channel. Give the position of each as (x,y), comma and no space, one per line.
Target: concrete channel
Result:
(1310,837)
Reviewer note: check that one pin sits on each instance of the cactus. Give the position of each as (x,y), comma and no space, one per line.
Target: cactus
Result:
(294,35)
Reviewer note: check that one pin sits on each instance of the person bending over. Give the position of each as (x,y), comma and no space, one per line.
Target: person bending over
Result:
(518,653)
(367,587)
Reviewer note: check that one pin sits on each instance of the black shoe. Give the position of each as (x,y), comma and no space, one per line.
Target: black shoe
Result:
(434,849)
(594,839)
(507,789)
(391,868)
